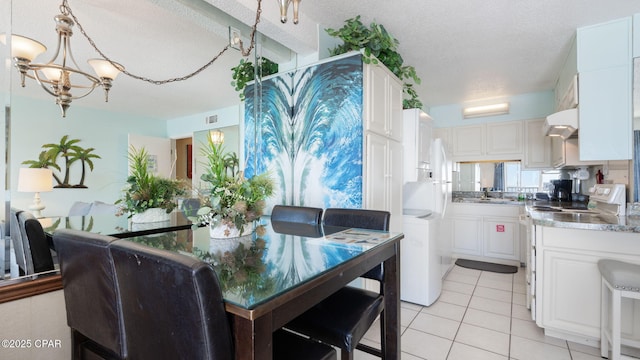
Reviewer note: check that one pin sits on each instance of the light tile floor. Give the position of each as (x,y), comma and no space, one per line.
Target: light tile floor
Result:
(479,315)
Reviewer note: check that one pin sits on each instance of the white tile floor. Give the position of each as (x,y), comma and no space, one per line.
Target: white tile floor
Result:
(480,315)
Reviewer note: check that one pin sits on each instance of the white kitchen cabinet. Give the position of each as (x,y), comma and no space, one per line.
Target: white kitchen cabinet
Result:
(383,180)
(486,232)
(568,281)
(566,153)
(383,108)
(604,56)
(504,139)
(488,141)
(502,237)
(538,146)
(416,141)
(468,141)
(445,134)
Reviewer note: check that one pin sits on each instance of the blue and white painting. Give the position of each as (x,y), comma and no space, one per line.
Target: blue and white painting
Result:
(309,136)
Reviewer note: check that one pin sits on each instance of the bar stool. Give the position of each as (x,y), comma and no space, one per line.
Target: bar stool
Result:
(619,280)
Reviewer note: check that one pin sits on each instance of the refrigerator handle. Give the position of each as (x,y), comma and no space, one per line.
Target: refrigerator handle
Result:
(444,181)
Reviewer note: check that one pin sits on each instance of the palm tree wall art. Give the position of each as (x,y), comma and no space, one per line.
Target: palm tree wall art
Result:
(68,150)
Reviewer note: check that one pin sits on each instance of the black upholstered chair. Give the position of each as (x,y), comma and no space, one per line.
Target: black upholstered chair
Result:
(173,309)
(297,214)
(94,311)
(343,318)
(16,239)
(37,254)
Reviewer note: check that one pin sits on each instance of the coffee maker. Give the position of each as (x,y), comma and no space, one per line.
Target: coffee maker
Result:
(562,190)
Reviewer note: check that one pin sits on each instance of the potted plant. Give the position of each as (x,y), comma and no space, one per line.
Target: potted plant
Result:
(148,197)
(245,72)
(233,202)
(378,45)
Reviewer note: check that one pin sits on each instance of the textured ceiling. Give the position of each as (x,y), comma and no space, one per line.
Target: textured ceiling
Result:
(464,50)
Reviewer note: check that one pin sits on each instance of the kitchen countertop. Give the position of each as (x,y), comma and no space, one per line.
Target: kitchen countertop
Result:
(569,215)
(586,219)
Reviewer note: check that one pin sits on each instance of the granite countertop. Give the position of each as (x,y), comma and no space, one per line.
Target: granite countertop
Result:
(489,201)
(575,216)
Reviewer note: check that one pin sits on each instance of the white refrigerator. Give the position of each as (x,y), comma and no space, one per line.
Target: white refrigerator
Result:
(426,250)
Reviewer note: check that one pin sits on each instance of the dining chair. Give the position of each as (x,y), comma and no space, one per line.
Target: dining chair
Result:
(173,309)
(37,254)
(343,318)
(297,214)
(16,239)
(91,295)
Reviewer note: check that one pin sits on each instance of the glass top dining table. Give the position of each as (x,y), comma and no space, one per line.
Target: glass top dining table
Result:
(270,277)
(258,267)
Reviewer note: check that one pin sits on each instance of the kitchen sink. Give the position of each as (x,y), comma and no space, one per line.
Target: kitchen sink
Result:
(589,217)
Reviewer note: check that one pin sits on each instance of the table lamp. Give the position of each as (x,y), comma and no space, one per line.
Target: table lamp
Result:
(35,180)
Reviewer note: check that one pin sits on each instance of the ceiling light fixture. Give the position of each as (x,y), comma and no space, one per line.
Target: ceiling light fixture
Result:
(58,79)
(485,110)
(61,75)
(284,8)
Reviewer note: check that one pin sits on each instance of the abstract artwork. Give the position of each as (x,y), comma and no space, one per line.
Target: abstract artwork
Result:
(309,136)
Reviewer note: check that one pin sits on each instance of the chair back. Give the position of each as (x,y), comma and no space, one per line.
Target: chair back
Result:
(16,239)
(91,293)
(358,218)
(363,219)
(35,245)
(297,214)
(172,305)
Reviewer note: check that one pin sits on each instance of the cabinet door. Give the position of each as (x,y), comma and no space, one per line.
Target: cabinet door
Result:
(502,238)
(394,99)
(605,114)
(570,293)
(504,138)
(468,140)
(394,179)
(424,143)
(604,45)
(377,100)
(375,183)
(467,235)
(538,152)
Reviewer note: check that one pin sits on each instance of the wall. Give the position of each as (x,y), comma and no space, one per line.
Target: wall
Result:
(36,318)
(185,126)
(522,107)
(38,122)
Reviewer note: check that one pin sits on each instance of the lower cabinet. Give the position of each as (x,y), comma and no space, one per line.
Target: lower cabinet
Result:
(486,232)
(568,282)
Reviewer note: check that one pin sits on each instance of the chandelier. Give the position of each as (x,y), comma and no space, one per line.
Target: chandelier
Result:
(284,8)
(61,76)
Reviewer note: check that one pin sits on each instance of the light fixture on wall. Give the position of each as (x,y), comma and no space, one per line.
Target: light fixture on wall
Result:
(485,110)
(217,136)
(284,8)
(61,75)
(35,180)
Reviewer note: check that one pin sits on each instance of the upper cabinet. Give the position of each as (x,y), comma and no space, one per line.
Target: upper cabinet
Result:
(604,62)
(490,141)
(537,155)
(383,112)
(416,142)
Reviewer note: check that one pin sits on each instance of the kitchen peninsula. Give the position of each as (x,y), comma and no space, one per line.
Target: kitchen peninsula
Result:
(564,283)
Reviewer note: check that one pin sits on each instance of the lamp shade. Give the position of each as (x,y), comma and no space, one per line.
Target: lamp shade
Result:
(24,48)
(35,180)
(105,69)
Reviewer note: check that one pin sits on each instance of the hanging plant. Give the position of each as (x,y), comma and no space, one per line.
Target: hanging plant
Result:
(245,72)
(378,45)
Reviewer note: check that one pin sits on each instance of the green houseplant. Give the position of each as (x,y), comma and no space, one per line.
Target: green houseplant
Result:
(146,191)
(245,72)
(233,202)
(378,45)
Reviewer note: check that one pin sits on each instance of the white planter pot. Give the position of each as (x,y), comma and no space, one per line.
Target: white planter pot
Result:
(223,231)
(151,215)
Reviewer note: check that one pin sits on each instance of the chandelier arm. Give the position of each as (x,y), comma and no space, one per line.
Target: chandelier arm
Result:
(67,10)
(42,83)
